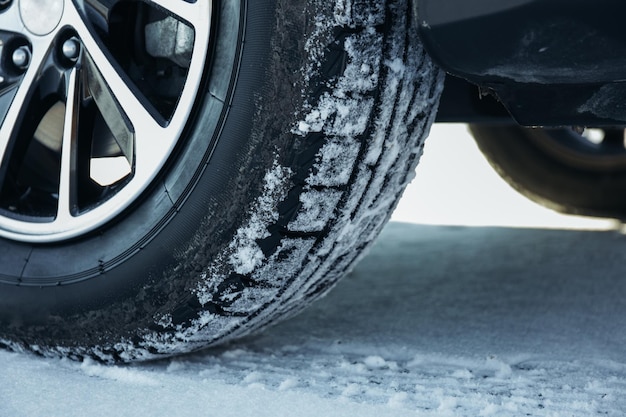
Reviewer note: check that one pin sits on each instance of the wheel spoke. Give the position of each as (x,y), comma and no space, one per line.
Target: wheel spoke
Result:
(101,7)
(134,128)
(189,12)
(120,91)
(10,124)
(118,84)
(111,111)
(68,151)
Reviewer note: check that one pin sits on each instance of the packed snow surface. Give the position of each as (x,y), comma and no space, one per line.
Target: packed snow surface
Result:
(436,321)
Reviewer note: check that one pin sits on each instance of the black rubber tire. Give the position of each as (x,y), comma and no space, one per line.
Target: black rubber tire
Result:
(527,160)
(312,121)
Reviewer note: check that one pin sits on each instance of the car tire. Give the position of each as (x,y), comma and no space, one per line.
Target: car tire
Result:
(560,168)
(306,122)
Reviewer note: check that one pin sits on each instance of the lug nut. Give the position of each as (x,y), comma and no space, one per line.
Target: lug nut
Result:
(71,49)
(21,57)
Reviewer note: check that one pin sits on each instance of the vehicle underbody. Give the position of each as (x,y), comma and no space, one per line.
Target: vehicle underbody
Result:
(549,62)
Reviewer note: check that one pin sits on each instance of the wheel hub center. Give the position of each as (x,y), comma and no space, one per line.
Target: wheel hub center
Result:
(40,17)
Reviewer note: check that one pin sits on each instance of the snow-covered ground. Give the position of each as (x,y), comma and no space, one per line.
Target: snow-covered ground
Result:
(478,304)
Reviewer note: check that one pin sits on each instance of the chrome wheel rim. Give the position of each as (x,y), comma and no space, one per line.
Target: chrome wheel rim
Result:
(93,100)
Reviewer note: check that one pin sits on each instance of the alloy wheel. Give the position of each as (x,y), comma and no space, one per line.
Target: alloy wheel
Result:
(94,96)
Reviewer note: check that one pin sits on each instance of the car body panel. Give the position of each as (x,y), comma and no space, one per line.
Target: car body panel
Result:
(550,62)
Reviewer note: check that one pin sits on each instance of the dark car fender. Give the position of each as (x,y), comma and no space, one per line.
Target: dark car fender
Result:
(550,62)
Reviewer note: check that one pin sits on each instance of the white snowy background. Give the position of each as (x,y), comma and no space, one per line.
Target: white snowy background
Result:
(474,302)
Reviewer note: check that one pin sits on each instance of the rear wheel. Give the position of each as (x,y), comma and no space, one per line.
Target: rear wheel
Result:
(562,169)
(175,173)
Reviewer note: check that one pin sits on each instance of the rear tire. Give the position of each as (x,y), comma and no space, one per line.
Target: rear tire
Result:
(311,118)
(559,168)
